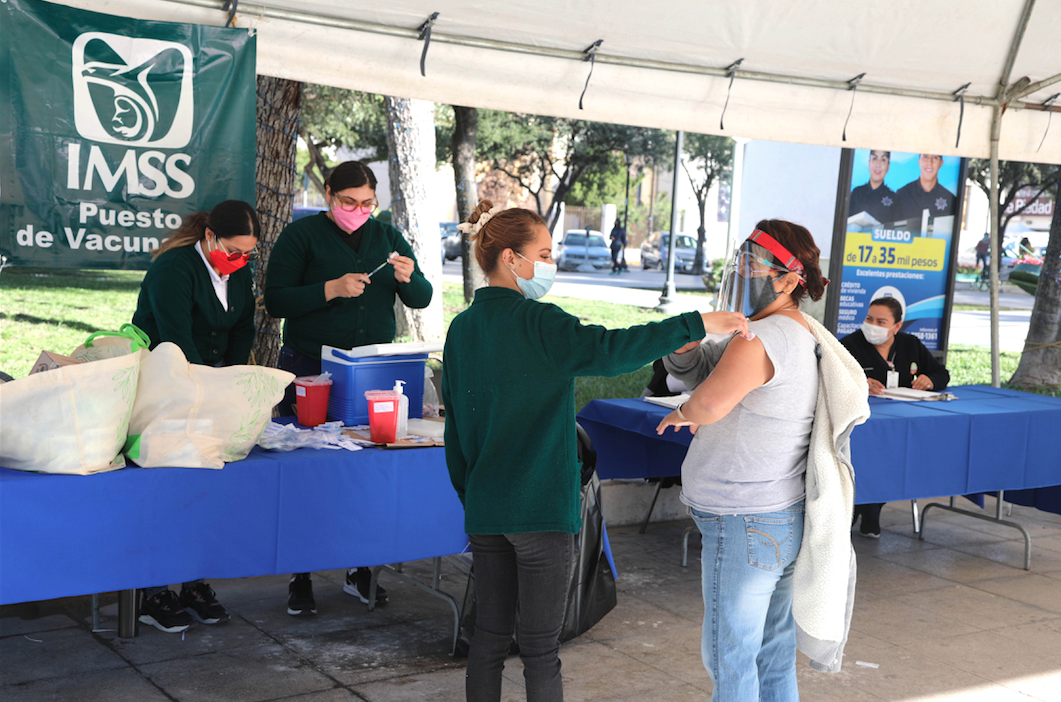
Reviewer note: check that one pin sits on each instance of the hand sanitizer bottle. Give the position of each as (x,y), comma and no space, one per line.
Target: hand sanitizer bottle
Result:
(403,410)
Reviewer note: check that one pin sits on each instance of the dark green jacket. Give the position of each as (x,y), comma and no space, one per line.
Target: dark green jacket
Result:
(509,392)
(177,303)
(309,253)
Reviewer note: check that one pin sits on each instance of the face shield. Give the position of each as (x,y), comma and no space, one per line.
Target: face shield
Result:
(748,281)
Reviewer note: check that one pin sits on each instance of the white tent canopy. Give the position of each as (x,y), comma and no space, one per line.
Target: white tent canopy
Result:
(664,64)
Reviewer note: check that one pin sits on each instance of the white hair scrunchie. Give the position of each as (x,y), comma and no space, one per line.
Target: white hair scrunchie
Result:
(474,227)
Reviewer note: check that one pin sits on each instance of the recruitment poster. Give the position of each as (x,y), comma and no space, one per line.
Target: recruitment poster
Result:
(901,217)
(113,130)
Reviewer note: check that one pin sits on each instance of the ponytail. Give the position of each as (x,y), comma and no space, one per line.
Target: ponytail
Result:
(508,229)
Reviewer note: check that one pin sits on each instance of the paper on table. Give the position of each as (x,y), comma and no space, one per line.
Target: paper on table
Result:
(909,394)
(672,401)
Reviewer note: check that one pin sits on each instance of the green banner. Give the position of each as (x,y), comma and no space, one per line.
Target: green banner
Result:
(113,130)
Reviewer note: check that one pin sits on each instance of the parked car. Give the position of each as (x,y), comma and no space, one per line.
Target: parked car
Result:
(654,252)
(583,246)
(451,240)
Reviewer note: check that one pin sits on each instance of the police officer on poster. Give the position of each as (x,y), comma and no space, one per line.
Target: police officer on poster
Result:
(874,197)
(925,193)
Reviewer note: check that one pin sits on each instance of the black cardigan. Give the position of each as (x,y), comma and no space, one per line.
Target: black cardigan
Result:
(908,354)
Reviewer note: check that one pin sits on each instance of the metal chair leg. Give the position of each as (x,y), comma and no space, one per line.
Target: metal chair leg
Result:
(685,544)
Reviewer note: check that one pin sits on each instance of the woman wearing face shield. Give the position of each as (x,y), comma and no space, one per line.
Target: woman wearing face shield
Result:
(890,359)
(322,279)
(508,389)
(752,413)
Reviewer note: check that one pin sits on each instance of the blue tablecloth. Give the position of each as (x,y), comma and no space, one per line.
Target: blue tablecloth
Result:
(988,439)
(271,513)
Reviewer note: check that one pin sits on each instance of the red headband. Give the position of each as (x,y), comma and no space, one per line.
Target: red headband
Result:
(782,254)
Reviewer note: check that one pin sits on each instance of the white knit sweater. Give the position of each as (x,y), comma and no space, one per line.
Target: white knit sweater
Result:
(824,579)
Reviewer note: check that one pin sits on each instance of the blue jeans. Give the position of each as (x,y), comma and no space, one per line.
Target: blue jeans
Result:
(535,570)
(749,636)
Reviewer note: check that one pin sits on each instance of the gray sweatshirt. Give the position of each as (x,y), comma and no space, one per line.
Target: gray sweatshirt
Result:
(753,460)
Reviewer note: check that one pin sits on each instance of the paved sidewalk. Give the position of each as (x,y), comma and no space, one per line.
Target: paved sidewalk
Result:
(953,618)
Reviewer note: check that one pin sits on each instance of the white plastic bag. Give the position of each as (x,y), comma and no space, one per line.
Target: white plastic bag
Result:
(72,419)
(196,416)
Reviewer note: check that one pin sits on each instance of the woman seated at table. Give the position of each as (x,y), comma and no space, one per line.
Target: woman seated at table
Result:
(884,352)
(508,388)
(197,294)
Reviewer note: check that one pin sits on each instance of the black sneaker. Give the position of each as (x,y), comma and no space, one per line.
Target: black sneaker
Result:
(200,602)
(357,584)
(164,612)
(300,596)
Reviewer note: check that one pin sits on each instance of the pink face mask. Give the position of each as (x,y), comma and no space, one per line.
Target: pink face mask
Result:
(350,221)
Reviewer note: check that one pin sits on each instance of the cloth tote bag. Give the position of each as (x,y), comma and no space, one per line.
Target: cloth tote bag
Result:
(195,416)
(105,344)
(72,419)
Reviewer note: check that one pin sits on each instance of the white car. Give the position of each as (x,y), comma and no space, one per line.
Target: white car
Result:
(581,246)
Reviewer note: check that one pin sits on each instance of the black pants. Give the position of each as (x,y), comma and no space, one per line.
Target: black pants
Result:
(870,517)
(301,365)
(617,264)
(535,570)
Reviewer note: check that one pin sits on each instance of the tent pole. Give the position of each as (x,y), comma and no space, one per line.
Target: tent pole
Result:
(1002,100)
(666,299)
(996,245)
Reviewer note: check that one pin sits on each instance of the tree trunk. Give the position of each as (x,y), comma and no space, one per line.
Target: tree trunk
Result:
(1040,364)
(279,105)
(411,147)
(465,131)
(701,234)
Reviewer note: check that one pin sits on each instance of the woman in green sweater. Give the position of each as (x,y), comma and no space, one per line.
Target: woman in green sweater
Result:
(197,294)
(323,279)
(508,389)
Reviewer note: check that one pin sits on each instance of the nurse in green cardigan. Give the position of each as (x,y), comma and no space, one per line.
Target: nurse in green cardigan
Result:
(197,294)
(508,389)
(321,280)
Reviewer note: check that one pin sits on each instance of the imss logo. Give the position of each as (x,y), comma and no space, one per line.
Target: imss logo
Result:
(132,91)
(136,93)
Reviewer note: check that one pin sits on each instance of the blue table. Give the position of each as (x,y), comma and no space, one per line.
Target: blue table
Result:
(272,513)
(988,440)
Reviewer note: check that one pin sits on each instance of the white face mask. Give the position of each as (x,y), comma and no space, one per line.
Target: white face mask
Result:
(537,286)
(874,334)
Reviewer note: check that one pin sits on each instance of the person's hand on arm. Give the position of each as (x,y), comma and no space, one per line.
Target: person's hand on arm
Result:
(744,366)
(349,285)
(725,323)
(875,386)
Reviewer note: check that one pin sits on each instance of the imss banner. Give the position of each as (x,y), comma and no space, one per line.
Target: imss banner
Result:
(113,130)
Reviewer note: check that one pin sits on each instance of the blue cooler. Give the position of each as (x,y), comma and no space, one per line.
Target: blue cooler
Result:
(353,375)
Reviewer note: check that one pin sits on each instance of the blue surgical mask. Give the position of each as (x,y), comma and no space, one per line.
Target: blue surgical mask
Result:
(539,285)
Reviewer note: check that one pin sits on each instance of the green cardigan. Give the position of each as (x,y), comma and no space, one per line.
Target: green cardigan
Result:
(177,303)
(309,253)
(509,392)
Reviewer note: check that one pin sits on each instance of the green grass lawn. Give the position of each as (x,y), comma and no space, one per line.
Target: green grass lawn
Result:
(54,310)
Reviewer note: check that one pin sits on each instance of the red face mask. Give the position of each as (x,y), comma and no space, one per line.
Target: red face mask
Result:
(222,261)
